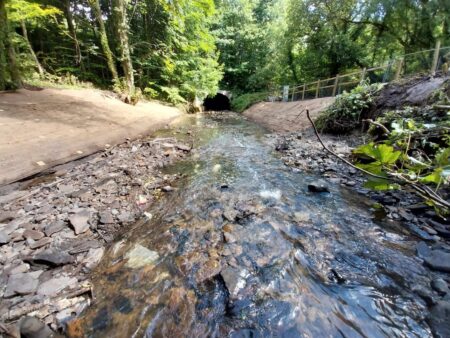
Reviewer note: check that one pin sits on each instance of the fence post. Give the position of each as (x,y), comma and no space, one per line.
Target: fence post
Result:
(435,57)
(303,93)
(336,82)
(399,69)
(293,93)
(363,74)
(317,89)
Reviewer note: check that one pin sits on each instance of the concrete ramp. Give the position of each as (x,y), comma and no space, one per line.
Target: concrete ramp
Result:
(284,116)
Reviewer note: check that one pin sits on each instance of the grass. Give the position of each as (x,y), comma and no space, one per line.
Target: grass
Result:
(242,102)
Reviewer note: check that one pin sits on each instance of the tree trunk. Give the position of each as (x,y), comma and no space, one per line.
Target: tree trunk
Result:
(8,65)
(95,5)
(72,31)
(121,26)
(3,55)
(30,48)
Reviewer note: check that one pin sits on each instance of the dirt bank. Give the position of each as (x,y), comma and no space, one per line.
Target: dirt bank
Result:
(284,116)
(40,129)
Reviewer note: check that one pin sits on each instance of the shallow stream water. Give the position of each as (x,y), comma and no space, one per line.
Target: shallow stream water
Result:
(242,249)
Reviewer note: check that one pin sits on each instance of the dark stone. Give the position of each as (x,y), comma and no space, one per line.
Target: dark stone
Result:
(317,187)
(440,286)
(438,260)
(425,295)
(52,257)
(439,319)
(440,228)
(122,304)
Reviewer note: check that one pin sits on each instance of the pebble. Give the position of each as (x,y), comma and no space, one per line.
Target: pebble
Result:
(31,327)
(318,187)
(4,238)
(440,286)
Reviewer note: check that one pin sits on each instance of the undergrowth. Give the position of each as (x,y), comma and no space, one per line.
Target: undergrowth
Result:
(344,115)
(242,102)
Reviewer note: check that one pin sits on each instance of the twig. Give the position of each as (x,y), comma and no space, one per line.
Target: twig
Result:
(336,155)
(422,190)
(386,131)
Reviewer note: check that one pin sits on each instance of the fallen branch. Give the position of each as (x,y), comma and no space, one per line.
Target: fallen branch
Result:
(420,189)
(336,155)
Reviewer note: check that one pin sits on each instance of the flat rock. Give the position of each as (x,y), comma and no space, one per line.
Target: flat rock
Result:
(33,234)
(54,227)
(22,283)
(55,285)
(40,243)
(80,221)
(53,257)
(93,257)
(106,217)
(234,279)
(438,260)
(4,238)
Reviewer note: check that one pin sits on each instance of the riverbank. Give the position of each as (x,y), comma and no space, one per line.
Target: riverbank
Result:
(54,229)
(43,128)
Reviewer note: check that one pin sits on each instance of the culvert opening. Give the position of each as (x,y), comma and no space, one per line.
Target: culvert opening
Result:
(217,103)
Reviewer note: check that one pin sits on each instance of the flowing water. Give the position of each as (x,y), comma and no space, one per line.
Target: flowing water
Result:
(242,249)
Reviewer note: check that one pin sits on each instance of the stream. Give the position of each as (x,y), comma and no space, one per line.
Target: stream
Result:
(242,249)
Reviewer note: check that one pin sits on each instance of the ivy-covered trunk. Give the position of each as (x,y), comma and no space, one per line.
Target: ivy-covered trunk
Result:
(72,31)
(121,26)
(95,5)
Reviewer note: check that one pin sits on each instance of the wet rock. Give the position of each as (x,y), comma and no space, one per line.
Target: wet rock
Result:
(425,295)
(122,304)
(93,258)
(438,260)
(53,257)
(234,279)
(22,283)
(208,270)
(440,286)
(318,187)
(54,286)
(168,188)
(140,256)
(4,238)
(229,238)
(80,221)
(33,234)
(441,229)
(439,319)
(31,327)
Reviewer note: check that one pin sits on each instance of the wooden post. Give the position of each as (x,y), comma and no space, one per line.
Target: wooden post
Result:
(317,89)
(303,93)
(435,57)
(336,82)
(363,74)
(399,69)
(293,93)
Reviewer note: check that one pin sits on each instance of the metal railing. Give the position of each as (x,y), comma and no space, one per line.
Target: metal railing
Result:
(423,62)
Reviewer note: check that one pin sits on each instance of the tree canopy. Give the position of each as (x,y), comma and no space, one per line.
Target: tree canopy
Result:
(178,50)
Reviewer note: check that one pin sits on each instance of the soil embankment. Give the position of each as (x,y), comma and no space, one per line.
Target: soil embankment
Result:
(40,129)
(284,116)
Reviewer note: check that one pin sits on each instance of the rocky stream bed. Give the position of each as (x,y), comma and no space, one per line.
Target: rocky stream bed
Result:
(251,234)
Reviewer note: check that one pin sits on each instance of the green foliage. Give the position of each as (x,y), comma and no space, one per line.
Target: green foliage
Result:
(344,115)
(415,151)
(242,102)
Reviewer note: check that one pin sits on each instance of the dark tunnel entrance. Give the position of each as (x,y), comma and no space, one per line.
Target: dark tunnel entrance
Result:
(217,103)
